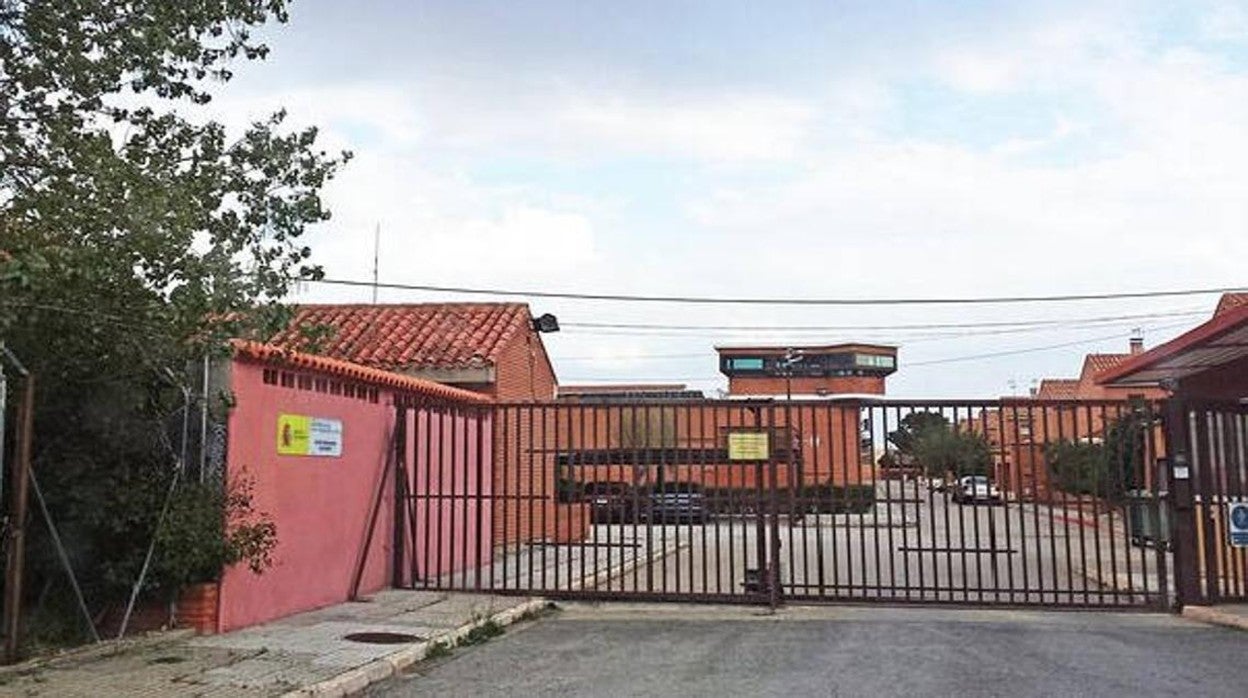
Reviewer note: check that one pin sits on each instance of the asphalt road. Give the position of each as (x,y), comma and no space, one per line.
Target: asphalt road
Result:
(628,650)
(922,546)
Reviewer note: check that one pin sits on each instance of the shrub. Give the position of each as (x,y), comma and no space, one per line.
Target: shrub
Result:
(210,528)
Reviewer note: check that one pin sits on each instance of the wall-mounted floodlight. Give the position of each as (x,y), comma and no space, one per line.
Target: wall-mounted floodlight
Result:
(546,323)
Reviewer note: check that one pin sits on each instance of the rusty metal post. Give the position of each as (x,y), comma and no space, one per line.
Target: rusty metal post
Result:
(19,493)
(1183,506)
(773,485)
(398,517)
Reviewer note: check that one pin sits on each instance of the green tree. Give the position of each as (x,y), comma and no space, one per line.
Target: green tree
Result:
(1107,469)
(1077,468)
(911,431)
(135,236)
(941,452)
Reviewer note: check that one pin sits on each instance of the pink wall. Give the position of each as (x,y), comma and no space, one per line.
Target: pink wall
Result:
(321,505)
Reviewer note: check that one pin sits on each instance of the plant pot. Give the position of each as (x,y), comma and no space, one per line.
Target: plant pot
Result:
(197,607)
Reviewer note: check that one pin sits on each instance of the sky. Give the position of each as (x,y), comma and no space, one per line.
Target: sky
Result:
(782,149)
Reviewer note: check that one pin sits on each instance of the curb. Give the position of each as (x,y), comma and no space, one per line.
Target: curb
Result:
(357,679)
(361,677)
(1212,616)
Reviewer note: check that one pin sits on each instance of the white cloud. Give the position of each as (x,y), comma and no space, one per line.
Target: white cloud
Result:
(807,194)
(726,128)
(1225,22)
(975,71)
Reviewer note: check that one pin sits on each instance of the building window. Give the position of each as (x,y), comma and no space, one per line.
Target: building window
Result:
(745,363)
(875,360)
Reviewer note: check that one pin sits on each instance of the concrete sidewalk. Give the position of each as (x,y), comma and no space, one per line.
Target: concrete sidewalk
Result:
(1233,615)
(305,654)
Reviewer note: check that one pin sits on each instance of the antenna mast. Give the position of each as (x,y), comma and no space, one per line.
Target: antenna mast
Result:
(376,249)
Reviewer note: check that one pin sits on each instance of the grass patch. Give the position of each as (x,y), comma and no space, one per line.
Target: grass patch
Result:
(438,649)
(481,633)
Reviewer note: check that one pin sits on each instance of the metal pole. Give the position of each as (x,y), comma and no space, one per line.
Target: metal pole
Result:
(16,553)
(64,556)
(1182,503)
(4,391)
(186,426)
(151,549)
(203,424)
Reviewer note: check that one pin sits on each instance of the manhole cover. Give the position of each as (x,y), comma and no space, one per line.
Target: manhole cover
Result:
(381,638)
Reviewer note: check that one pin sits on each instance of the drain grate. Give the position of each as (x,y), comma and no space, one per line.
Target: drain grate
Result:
(382,638)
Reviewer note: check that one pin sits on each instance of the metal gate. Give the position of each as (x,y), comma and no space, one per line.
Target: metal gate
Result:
(996,502)
(1210,474)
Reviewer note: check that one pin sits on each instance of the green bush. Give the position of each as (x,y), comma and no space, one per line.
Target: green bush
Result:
(808,499)
(1108,469)
(208,529)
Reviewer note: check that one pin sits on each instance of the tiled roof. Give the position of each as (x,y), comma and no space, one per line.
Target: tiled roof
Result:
(1057,389)
(423,335)
(1230,300)
(621,388)
(1104,362)
(1220,341)
(278,356)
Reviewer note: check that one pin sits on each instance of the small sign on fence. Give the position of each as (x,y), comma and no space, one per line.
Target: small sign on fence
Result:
(1237,519)
(301,435)
(749,445)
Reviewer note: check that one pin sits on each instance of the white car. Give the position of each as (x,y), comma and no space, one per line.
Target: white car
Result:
(973,489)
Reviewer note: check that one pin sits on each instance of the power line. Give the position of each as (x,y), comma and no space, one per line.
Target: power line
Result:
(1029,350)
(934,362)
(895,336)
(708,300)
(919,326)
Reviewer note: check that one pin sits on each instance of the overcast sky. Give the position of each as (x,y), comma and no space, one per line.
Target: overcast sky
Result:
(822,149)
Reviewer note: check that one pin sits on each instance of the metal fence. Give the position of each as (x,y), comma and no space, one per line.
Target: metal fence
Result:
(1021,502)
(1217,450)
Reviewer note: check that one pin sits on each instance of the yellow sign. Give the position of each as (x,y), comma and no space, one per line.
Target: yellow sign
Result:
(292,434)
(749,445)
(301,435)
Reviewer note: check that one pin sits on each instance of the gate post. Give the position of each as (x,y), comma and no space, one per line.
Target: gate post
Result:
(773,515)
(398,573)
(1182,505)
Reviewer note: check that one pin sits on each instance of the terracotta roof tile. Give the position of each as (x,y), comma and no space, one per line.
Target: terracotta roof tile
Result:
(1230,300)
(422,335)
(1057,389)
(1104,362)
(279,356)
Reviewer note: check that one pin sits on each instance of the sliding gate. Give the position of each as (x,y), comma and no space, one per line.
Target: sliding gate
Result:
(999,502)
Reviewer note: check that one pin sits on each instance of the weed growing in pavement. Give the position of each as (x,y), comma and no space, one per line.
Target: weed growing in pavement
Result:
(438,649)
(481,633)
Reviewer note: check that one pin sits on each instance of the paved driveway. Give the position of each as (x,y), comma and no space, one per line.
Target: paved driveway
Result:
(623,650)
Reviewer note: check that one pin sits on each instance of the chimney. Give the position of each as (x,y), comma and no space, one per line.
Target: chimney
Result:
(1137,342)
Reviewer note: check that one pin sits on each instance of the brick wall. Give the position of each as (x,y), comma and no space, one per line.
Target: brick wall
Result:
(771,385)
(524,480)
(522,371)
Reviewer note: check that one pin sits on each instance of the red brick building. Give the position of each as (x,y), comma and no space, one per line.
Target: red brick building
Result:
(814,371)
(489,348)
(1060,409)
(1208,362)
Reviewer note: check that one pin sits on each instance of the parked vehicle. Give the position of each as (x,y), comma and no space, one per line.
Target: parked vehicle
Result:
(675,502)
(976,489)
(610,502)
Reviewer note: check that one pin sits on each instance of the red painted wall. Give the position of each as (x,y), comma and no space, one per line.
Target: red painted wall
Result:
(322,505)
